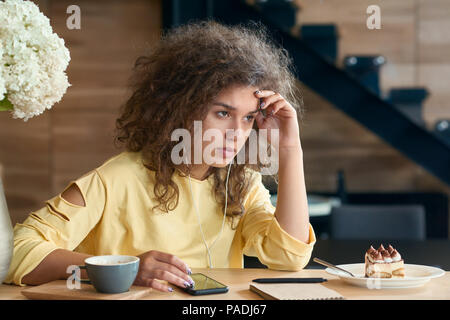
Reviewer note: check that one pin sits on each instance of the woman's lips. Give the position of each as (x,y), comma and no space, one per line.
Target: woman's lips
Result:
(227,152)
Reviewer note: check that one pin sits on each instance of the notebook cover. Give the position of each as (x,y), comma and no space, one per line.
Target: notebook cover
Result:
(294,291)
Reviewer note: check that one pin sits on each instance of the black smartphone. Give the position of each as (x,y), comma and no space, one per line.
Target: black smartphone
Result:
(205,285)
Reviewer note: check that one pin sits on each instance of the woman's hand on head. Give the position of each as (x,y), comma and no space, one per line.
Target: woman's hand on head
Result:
(280,115)
(156,265)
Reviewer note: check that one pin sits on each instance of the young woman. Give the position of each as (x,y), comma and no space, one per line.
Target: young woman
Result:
(178,215)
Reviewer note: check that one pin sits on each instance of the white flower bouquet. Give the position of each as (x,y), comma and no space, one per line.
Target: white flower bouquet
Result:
(33,61)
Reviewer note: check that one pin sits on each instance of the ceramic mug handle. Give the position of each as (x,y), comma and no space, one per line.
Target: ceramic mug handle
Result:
(87,281)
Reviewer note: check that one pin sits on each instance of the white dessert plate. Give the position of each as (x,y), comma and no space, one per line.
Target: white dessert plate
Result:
(415,276)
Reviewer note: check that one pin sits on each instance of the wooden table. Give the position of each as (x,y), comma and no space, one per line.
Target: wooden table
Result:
(238,281)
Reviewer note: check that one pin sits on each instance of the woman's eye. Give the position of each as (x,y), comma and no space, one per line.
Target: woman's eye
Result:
(226,114)
(249,118)
(222,114)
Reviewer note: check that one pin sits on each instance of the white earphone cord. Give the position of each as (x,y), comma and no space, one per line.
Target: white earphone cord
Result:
(223,220)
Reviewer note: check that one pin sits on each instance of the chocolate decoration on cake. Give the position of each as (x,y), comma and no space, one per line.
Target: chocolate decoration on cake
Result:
(385,253)
(371,250)
(390,249)
(396,255)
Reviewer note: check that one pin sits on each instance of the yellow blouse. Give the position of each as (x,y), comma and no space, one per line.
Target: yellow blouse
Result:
(117,219)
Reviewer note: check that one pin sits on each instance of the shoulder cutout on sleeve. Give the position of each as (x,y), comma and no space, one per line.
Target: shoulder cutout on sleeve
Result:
(74,195)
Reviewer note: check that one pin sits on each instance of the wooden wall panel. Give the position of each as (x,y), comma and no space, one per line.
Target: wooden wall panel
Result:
(82,141)
(436,76)
(398,75)
(112,35)
(24,153)
(434,57)
(433,26)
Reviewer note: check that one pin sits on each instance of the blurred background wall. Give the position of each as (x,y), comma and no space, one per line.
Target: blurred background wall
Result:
(41,156)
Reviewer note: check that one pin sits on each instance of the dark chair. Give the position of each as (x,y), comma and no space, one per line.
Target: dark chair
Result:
(253,262)
(378,222)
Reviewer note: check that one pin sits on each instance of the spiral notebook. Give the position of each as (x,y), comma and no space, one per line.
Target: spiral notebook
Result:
(294,291)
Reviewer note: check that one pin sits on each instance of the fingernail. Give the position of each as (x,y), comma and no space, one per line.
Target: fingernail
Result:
(187,284)
(262,104)
(170,289)
(189,271)
(257,92)
(191,281)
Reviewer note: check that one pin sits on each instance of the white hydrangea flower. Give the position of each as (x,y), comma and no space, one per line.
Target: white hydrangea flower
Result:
(33,60)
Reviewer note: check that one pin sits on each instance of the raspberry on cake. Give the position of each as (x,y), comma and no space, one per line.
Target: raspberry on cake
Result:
(383,263)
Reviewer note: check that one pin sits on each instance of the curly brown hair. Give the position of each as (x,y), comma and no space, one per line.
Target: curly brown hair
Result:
(174,84)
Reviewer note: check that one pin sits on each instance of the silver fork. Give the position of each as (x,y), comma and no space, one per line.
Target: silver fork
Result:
(332,266)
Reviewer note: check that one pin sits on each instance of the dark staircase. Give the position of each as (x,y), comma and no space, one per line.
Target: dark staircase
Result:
(409,101)
(366,70)
(322,38)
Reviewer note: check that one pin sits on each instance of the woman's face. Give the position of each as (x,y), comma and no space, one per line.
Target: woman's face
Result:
(228,124)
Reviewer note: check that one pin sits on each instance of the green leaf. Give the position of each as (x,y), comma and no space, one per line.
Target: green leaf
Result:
(6,105)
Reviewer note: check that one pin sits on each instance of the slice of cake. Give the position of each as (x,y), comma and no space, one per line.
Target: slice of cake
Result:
(383,263)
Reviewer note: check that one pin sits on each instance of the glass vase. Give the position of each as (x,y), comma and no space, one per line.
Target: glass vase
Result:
(6,235)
